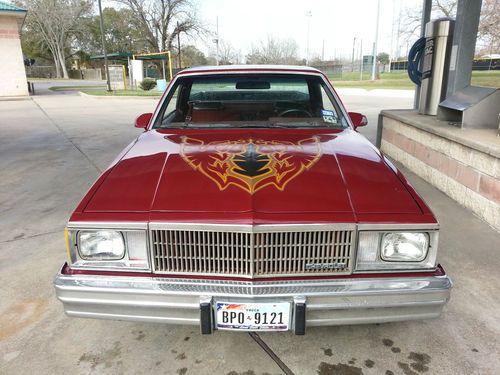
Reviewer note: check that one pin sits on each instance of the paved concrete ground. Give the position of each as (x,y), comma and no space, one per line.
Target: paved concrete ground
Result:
(51,150)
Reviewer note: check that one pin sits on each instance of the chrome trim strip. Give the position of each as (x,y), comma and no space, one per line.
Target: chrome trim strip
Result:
(129,317)
(269,228)
(107,225)
(248,228)
(396,227)
(328,83)
(237,71)
(158,286)
(326,306)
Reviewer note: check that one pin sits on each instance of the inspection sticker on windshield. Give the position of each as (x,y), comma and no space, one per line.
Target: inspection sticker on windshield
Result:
(328,116)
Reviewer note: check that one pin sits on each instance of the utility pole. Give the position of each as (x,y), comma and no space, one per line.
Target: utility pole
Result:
(216,40)
(398,45)
(352,60)
(323,51)
(374,66)
(179,44)
(361,60)
(308,15)
(104,47)
(391,50)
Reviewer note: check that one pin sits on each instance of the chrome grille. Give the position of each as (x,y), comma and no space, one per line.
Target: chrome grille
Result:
(252,251)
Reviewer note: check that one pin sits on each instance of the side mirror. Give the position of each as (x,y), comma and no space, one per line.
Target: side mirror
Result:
(142,121)
(358,119)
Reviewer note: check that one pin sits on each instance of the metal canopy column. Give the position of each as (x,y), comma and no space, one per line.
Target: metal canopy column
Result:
(464,44)
(426,17)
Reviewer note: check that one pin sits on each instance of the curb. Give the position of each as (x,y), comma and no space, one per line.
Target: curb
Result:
(15,98)
(118,97)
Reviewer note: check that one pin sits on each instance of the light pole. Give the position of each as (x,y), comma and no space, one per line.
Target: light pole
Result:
(308,15)
(352,61)
(104,47)
(179,44)
(361,60)
(374,66)
(216,40)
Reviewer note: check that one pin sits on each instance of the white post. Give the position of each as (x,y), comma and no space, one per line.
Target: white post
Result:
(130,78)
(308,15)
(361,59)
(374,66)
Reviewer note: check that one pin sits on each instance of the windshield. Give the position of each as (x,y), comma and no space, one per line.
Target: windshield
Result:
(251,100)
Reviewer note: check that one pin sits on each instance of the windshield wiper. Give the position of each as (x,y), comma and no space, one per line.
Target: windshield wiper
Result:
(304,125)
(267,126)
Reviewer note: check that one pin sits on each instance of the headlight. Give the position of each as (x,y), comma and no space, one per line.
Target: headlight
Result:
(404,247)
(108,249)
(396,250)
(101,245)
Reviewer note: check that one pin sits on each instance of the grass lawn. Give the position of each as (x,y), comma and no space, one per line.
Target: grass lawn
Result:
(393,80)
(400,80)
(486,78)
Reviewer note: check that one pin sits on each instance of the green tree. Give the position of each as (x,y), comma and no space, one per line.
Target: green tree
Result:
(121,33)
(383,58)
(34,48)
(192,56)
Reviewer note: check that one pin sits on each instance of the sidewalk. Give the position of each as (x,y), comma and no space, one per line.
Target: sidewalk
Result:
(386,93)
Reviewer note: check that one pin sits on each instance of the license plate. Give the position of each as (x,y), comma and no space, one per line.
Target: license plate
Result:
(253,316)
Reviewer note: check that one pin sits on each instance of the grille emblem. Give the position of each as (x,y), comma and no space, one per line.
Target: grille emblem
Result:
(326,266)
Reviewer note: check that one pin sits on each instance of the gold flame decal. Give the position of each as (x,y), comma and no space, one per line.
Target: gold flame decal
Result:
(251,164)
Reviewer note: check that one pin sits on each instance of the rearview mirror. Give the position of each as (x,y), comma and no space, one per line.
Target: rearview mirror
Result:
(253,85)
(358,119)
(142,121)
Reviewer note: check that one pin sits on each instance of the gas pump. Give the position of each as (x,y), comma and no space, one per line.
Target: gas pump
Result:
(428,62)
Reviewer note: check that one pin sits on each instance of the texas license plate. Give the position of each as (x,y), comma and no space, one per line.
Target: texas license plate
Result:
(253,316)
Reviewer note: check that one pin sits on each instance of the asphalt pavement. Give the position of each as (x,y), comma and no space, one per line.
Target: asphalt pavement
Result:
(52,148)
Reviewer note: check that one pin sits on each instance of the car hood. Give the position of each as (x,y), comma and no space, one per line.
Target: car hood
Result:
(277,171)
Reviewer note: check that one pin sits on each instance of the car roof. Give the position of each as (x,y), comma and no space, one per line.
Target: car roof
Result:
(291,69)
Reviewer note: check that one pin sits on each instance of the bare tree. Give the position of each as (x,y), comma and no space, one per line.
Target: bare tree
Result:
(488,31)
(411,17)
(228,54)
(160,21)
(489,25)
(445,8)
(274,51)
(56,21)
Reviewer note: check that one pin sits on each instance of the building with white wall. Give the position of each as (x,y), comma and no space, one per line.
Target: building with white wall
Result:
(12,72)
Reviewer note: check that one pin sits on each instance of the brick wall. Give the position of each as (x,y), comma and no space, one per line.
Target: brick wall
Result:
(468,175)
(12,72)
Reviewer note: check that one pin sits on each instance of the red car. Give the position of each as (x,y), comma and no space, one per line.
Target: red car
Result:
(250,202)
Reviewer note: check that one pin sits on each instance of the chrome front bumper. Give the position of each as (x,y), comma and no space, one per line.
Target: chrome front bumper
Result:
(320,302)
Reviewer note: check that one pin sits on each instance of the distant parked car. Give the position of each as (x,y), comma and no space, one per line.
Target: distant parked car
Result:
(250,202)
